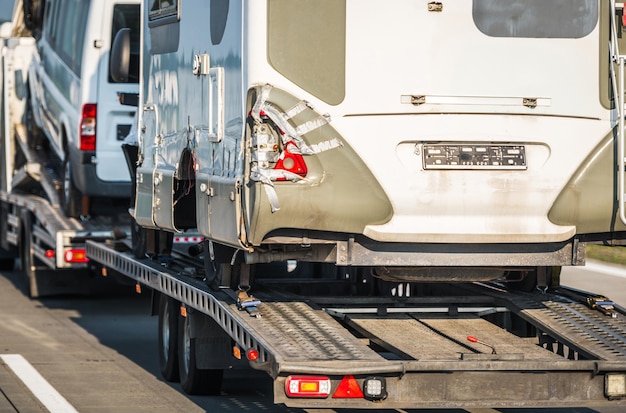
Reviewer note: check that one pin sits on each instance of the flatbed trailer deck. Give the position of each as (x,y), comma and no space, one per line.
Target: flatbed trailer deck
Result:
(527,349)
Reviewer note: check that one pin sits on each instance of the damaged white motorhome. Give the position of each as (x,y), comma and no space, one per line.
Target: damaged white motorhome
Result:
(322,131)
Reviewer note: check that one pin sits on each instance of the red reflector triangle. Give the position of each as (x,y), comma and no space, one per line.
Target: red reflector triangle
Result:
(292,162)
(348,389)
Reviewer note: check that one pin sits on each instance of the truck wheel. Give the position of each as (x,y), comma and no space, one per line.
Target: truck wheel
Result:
(26,256)
(70,197)
(193,380)
(168,338)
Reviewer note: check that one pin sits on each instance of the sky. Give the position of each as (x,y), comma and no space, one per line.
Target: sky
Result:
(6,10)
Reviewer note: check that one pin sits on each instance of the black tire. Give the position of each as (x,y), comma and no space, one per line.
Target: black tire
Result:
(168,338)
(71,198)
(29,270)
(193,380)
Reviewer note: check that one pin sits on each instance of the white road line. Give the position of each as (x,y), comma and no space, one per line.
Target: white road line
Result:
(613,270)
(41,389)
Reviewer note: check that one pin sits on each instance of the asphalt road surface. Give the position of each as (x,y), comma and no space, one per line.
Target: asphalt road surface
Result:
(99,354)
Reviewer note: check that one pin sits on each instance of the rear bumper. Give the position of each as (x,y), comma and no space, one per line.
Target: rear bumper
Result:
(476,385)
(88,183)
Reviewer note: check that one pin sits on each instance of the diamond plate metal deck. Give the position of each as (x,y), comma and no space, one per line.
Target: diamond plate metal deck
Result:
(288,332)
(589,332)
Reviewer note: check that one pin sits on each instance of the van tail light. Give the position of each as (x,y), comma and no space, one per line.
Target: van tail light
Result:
(88,127)
(292,162)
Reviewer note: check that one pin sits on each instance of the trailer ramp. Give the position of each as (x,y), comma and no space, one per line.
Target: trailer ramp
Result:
(572,327)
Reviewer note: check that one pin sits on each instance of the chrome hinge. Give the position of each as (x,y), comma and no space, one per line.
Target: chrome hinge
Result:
(435,6)
(530,102)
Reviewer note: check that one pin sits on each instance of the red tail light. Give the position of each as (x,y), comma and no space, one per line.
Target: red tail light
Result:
(292,162)
(88,127)
(76,256)
(307,386)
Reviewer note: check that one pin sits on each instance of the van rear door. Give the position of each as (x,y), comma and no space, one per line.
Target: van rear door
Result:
(114,119)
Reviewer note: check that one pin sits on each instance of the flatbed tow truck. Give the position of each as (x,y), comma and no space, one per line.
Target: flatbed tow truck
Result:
(454,346)
(381,188)
(325,342)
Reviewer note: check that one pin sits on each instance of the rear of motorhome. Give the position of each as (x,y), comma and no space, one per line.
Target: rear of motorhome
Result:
(415,140)
(74,99)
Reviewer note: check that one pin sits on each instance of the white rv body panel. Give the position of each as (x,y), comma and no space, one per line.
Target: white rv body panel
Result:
(476,84)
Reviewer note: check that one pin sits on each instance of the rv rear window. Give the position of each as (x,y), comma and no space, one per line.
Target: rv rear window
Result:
(562,19)
(163,12)
(310,52)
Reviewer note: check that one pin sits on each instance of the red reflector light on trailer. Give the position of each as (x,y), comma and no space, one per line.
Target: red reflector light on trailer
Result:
(348,389)
(49,253)
(76,256)
(188,240)
(252,354)
(307,386)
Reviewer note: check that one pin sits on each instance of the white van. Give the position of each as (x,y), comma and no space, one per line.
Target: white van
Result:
(75,100)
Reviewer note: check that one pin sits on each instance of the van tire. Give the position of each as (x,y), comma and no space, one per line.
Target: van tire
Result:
(70,195)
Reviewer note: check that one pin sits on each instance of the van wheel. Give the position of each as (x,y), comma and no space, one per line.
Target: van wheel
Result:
(70,196)
(193,380)
(168,338)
